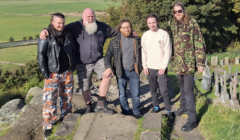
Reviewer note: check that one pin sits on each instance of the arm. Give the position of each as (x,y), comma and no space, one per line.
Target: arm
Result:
(167,51)
(144,55)
(112,32)
(107,61)
(200,47)
(42,57)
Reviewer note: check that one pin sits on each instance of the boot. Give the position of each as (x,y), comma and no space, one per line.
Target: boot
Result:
(101,107)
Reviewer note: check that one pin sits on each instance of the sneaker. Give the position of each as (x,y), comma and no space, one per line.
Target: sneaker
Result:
(138,116)
(189,126)
(155,109)
(47,133)
(180,111)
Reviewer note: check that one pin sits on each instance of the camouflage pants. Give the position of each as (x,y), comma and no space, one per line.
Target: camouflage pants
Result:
(59,84)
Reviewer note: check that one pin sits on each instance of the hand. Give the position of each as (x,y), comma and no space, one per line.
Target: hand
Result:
(134,33)
(161,71)
(43,34)
(200,69)
(107,73)
(146,71)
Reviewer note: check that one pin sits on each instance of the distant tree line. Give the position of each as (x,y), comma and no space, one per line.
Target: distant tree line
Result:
(11,39)
(218,19)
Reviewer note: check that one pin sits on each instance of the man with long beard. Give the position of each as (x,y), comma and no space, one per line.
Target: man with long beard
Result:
(188,57)
(90,36)
(127,66)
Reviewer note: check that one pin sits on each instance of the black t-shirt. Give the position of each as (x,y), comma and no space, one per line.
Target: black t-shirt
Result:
(63,57)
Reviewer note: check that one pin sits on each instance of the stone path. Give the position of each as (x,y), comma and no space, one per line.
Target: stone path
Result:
(98,126)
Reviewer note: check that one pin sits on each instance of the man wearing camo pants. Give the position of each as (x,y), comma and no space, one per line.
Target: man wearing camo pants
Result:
(56,58)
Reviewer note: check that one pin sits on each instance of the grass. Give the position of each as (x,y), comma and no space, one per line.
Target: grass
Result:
(19,54)
(26,26)
(68,137)
(3,132)
(5,67)
(44,7)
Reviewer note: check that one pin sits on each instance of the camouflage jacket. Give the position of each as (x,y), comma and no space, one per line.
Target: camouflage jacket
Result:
(188,48)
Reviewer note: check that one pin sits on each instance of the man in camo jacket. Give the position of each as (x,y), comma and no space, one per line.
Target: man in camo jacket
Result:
(188,57)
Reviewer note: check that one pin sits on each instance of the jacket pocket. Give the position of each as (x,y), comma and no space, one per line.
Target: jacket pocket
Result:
(188,60)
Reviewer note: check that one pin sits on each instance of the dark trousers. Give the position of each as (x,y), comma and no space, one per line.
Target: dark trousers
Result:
(134,85)
(163,87)
(187,98)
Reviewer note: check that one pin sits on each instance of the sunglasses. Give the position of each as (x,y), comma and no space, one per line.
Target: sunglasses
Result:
(178,11)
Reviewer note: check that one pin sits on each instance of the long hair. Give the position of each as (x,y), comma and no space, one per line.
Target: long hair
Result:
(153,15)
(186,17)
(123,21)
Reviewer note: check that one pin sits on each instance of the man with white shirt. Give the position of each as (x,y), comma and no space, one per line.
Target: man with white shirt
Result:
(156,53)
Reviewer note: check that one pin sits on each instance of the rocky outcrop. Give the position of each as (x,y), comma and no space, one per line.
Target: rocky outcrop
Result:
(10,112)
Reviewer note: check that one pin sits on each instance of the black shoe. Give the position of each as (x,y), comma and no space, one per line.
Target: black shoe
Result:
(89,109)
(189,126)
(47,133)
(61,119)
(103,109)
(155,109)
(180,111)
(138,116)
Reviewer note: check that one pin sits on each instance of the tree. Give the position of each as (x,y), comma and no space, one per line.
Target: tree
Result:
(37,36)
(11,39)
(30,37)
(215,17)
(24,38)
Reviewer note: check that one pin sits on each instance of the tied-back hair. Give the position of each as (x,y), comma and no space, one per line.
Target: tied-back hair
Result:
(186,17)
(123,21)
(153,15)
(52,30)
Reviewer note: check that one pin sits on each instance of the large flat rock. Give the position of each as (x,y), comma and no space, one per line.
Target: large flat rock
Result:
(191,135)
(151,135)
(152,121)
(67,125)
(96,126)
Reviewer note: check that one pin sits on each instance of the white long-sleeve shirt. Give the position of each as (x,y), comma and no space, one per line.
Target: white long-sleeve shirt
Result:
(156,49)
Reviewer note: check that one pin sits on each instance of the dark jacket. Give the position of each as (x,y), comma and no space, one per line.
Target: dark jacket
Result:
(115,51)
(48,54)
(90,47)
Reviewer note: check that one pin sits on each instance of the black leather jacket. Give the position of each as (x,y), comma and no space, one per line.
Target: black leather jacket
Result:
(115,51)
(48,54)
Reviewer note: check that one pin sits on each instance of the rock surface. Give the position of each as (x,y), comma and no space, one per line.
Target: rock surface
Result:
(67,125)
(96,126)
(151,135)
(10,112)
(152,121)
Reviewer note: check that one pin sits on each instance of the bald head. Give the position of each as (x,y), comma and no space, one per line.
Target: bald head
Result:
(88,16)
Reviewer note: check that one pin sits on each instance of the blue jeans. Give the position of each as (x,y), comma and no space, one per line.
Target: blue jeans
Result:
(134,85)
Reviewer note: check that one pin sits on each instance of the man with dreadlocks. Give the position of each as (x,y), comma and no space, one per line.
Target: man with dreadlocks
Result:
(56,58)
(188,57)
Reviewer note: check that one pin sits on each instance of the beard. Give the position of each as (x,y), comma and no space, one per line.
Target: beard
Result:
(179,18)
(91,27)
(126,34)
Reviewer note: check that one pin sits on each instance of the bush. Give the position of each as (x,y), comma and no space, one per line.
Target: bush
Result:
(11,39)
(37,36)
(24,38)
(30,37)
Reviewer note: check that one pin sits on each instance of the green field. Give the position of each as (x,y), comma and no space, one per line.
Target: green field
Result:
(44,7)
(19,26)
(18,54)
(21,18)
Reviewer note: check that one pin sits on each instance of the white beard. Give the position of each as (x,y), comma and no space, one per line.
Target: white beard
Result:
(91,27)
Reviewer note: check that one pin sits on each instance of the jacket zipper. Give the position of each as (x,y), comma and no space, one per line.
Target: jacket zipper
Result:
(67,53)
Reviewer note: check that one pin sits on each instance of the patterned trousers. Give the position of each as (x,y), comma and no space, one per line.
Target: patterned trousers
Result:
(59,84)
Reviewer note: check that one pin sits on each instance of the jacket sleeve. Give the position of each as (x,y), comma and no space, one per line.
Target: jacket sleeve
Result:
(167,51)
(144,52)
(42,57)
(200,46)
(112,32)
(108,56)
